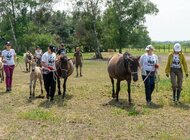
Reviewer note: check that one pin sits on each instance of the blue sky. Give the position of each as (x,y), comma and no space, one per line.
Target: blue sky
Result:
(172,23)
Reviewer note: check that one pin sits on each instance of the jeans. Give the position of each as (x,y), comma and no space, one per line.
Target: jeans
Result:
(149,85)
(49,84)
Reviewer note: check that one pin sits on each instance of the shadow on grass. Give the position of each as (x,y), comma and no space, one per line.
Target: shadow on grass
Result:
(4,93)
(124,104)
(181,106)
(58,101)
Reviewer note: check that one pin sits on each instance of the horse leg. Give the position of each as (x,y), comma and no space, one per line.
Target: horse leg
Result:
(129,91)
(64,87)
(41,95)
(30,89)
(117,90)
(58,86)
(26,66)
(80,71)
(77,71)
(113,90)
(34,87)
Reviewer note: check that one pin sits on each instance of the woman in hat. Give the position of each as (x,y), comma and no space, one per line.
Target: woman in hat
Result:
(149,65)
(9,56)
(176,64)
(49,68)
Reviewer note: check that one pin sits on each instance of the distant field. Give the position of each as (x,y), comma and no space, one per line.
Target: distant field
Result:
(90,113)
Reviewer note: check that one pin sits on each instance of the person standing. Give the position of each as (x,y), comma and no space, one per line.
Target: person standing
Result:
(9,57)
(175,65)
(49,68)
(78,60)
(38,55)
(149,65)
(62,50)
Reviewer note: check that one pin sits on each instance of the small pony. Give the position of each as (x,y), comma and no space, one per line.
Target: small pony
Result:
(64,68)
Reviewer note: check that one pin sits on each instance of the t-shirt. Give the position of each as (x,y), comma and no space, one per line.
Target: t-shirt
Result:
(78,56)
(49,59)
(9,56)
(38,54)
(176,62)
(148,62)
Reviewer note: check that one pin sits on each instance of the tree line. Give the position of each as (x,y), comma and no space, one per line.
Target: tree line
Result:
(93,25)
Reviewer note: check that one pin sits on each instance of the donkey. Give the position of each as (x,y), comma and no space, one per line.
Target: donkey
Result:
(64,68)
(28,57)
(123,67)
(36,74)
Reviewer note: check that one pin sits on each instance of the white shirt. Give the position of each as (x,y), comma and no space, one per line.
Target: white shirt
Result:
(176,61)
(38,53)
(9,56)
(148,62)
(49,59)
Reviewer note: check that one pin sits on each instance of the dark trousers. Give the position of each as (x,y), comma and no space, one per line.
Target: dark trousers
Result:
(149,85)
(49,84)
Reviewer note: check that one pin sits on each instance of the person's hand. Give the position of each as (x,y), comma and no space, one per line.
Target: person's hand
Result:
(4,61)
(186,75)
(157,66)
(167,75)
(50,68)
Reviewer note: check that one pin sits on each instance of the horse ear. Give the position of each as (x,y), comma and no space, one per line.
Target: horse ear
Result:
(138,58)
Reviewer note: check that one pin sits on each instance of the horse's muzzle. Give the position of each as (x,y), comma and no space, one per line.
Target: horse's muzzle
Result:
(135,77)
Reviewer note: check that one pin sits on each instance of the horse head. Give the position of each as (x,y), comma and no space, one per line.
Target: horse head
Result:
(131,64)
(62,67)
(32,64)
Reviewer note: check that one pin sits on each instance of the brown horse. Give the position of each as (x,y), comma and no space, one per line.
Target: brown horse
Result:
(64,68)
(123,67)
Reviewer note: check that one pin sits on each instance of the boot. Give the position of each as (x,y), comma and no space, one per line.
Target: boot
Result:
(178,95)
(174,95)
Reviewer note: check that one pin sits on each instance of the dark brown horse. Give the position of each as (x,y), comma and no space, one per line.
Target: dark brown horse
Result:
(123,67)
(65,68)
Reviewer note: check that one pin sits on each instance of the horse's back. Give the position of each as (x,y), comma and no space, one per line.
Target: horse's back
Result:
(116,67)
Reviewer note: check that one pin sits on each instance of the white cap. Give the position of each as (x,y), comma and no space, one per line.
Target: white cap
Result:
(149,47)
(177,47)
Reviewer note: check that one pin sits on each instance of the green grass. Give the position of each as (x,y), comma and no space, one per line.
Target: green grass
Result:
(37,115)
(89,112)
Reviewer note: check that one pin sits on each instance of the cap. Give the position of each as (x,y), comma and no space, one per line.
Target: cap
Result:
(8,43)
(149,47)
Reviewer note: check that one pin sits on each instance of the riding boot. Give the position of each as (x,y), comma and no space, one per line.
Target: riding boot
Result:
(174,95)
(178,95)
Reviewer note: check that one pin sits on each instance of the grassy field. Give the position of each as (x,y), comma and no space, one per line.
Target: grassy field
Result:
(90,113)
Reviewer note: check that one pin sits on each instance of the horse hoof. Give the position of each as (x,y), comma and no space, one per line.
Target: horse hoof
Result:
(113,95)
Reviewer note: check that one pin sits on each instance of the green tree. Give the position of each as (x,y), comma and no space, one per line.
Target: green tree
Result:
(123,17)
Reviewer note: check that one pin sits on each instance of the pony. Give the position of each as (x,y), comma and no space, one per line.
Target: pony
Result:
(28,57)
(64,68)
(36,74)
(123,67)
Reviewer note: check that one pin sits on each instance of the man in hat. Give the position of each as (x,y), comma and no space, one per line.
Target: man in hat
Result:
(176,65)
